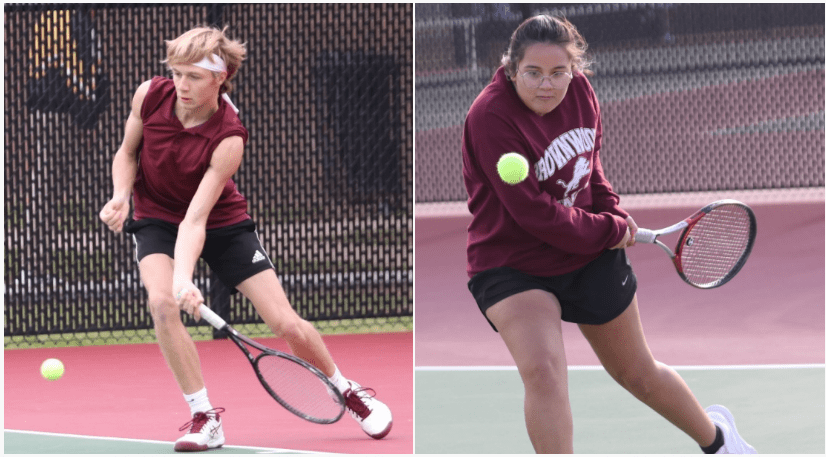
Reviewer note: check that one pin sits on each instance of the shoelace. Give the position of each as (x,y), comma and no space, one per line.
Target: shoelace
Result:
(200,419)
(355,400)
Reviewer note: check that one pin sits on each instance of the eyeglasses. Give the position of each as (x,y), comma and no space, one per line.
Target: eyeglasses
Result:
(533,79)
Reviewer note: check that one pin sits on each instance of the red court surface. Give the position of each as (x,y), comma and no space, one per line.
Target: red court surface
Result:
(771,313)
(128,392)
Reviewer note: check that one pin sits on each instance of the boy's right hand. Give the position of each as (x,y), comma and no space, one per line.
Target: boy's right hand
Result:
(114,213)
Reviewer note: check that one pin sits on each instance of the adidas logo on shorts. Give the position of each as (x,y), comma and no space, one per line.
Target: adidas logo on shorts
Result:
(258,257)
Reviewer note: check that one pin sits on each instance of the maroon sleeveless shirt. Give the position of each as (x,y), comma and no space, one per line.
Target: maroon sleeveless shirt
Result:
(173,160)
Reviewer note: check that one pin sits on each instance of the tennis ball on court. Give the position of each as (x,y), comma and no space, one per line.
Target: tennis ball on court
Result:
(51,369)
(512,168)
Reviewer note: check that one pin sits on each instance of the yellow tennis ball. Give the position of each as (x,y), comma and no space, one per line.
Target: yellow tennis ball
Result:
(51,369)
(512,168)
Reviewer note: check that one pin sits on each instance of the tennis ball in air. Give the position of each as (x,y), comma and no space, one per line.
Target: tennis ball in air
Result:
(512,168)
(51,369)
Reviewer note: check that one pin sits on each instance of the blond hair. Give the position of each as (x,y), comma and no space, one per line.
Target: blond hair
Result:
(200,42)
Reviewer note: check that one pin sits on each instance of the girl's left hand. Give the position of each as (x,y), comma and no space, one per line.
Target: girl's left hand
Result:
(632,226)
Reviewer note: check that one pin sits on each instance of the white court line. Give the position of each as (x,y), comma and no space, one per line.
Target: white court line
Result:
(791,366)
(132,440)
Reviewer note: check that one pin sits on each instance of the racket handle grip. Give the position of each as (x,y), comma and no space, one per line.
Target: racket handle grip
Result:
(645,236)
(210,316)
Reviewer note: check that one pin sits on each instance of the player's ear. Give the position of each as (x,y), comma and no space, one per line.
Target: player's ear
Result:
(221,77)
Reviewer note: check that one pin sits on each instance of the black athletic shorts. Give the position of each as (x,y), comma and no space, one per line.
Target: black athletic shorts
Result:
(595,294)
(233,253)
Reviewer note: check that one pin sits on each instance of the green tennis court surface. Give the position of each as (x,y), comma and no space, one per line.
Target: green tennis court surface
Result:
(18,442)
(778,410)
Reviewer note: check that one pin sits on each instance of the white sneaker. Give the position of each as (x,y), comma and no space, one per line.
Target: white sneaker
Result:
(205,432)
(373,416)
(733,443)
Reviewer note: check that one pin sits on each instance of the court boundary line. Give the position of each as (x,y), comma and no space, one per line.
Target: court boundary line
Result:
(171,443)
(790,366)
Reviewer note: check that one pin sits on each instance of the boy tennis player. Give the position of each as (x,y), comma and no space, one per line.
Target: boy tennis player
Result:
(190,142)
(551,248)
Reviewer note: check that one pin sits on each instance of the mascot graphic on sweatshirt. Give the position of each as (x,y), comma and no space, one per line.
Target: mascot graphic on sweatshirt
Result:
(582,169)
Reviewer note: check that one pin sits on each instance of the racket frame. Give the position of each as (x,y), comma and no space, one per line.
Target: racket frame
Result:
(650,236)
(242,341)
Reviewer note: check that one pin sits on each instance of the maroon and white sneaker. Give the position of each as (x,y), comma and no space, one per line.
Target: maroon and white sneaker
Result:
(372,415)
(205,432)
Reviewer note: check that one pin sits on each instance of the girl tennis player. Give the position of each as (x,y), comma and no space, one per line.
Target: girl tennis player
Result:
(190,142)
(552,248)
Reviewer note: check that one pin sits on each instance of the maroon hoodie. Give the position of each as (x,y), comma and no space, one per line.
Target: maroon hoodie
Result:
(566,213)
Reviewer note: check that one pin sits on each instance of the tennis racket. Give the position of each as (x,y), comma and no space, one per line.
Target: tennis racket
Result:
(714,244)
(298,386)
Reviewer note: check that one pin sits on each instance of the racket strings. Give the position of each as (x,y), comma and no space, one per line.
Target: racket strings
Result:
(716,245)
(298,389)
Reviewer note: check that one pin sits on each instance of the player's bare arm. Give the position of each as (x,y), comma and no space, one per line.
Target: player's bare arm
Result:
(192,230)
(125,165)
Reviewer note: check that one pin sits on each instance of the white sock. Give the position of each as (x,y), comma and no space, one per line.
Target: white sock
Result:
(198,402)
(339,381)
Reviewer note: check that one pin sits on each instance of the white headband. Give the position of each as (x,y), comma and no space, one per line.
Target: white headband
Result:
(219,66)
(216,64)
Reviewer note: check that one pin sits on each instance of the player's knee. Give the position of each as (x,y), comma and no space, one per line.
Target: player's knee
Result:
(163,309)
(636,381)
(542,374)
(294,331)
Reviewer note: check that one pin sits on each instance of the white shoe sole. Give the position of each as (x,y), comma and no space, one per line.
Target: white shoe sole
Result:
(745,448)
